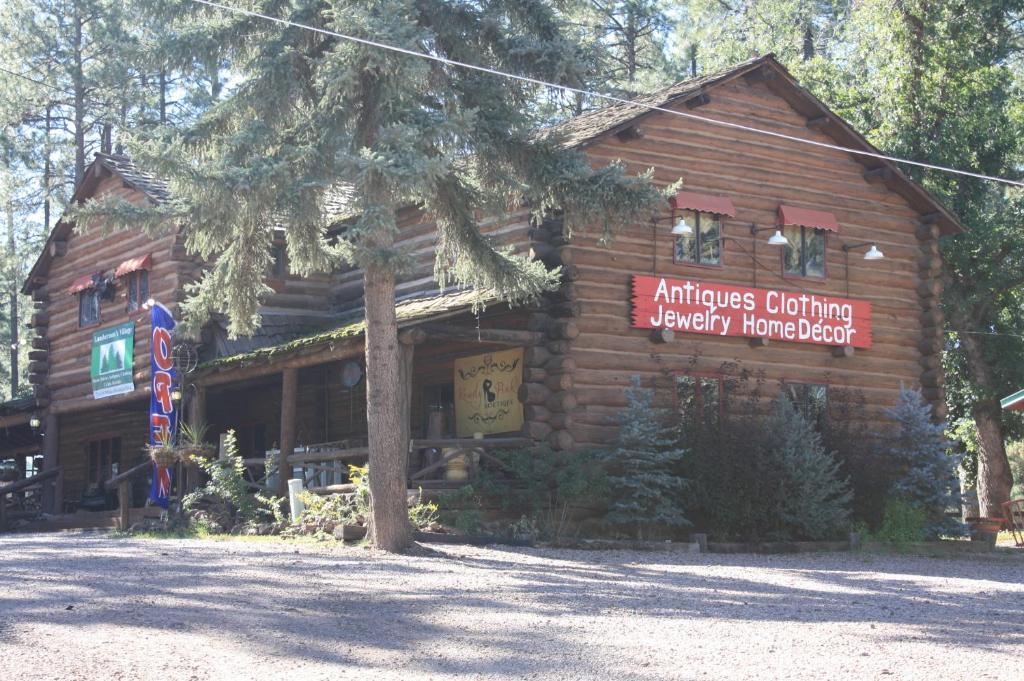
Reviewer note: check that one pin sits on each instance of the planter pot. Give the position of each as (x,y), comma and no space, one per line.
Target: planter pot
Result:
(985,529)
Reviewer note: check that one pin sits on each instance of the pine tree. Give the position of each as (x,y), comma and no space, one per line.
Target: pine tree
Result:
(920,449)
(646,491)
(313,115)
(812,500)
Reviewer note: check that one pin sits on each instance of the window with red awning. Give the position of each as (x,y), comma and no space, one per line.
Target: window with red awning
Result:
(704,203)
(143,262)
(807,217)
(83,283)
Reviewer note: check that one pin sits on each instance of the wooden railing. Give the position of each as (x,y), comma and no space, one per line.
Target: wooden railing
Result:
(122,481)
(35,481)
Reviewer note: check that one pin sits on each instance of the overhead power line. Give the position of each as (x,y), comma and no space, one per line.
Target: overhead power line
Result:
(610,98)
(37,82)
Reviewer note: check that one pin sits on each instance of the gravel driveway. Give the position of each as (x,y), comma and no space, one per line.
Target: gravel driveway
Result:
(88,606)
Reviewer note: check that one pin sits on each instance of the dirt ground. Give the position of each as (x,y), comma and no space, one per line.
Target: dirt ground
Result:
(92,606)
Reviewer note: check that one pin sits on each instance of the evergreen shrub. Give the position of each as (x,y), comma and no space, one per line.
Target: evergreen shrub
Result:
(927,467)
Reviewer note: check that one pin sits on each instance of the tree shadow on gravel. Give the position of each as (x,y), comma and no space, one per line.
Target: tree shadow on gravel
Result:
(338,606)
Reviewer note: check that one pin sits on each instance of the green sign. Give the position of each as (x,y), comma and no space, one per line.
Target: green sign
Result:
(112,360)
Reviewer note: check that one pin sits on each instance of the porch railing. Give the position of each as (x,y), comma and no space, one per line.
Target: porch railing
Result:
(35,483)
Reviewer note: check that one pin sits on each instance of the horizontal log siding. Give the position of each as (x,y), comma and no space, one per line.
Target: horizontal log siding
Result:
(78,430)
(99,251)
(418,236)
(757,173)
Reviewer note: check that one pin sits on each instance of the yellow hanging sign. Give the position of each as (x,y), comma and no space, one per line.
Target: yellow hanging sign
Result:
(487,393)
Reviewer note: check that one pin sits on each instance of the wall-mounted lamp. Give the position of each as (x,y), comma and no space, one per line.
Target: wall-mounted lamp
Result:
(681,227)
(34,423)
(776,239)
(872,253)
(148,305)
(176,394)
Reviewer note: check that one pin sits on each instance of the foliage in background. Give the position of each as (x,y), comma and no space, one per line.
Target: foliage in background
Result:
(902,523)
(927,476)
(229,491)
(541,489)
(1015,453)
(645,491)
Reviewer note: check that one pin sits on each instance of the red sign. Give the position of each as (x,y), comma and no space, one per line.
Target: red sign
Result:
(691,306)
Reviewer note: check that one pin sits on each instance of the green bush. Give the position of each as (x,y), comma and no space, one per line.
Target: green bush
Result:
(903,522)
(228,490)
(927,467)
(645,488)
(539,487)
(758,478)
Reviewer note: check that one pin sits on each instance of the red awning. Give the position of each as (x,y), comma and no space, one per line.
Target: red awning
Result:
(805,217)
(705,203)
(143,262)
(81,284)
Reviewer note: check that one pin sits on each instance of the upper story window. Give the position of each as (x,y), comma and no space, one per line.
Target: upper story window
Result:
(699,217)
(703,246)
(88,307)
(86,288)
(805,231)
(137,289)
(134,276)
(804,255)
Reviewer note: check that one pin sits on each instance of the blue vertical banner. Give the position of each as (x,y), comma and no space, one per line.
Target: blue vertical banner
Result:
(163,415)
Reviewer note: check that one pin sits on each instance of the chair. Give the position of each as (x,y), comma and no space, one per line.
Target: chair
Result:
(1013,510)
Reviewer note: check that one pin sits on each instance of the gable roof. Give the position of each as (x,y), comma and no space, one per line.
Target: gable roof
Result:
(132,176)
(592,126)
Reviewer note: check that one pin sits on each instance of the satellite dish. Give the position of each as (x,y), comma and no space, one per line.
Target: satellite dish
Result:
(351,374)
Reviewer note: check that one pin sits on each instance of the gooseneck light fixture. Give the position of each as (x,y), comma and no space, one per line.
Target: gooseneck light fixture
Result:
(776,239)
(872,253)
(681,227)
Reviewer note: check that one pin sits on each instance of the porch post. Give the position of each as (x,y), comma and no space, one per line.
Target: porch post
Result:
(289,395)
(196,416)
(407,341)
(51,442)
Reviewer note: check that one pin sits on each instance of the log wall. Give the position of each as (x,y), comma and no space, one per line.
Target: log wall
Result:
(758,174)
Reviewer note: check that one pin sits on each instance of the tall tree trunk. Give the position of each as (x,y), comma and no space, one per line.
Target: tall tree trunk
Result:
(388,453)
(995,479)
(47,169)
(388,449)
(78,84)
(13,296)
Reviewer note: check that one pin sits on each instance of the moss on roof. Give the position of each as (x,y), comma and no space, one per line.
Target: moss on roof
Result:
(418,309)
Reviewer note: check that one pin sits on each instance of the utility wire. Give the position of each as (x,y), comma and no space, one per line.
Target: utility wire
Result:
(610,98)
(37,82)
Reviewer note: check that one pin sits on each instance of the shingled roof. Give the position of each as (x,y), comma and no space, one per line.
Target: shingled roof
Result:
(418,309)
(580,130)
(134,177)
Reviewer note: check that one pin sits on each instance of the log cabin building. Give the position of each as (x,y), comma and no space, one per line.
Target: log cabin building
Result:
(767,257)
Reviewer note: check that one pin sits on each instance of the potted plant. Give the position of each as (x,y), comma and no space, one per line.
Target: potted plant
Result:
(163,452)
(192,443)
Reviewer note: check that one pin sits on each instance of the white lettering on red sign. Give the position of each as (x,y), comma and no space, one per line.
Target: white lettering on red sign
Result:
(719,309)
